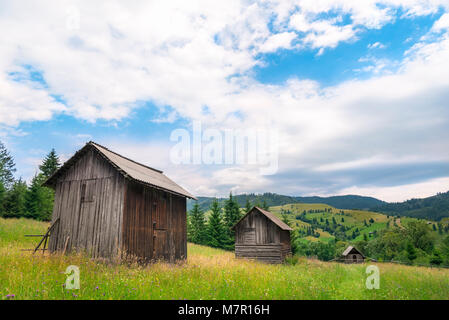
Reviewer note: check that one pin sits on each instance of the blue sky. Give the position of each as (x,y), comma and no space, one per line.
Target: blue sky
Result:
(356,91)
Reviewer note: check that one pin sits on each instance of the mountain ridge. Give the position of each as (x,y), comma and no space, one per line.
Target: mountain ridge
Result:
(435,207)
(274,199)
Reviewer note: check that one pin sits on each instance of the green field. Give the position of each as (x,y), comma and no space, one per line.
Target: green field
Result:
(351,219)
(207,274)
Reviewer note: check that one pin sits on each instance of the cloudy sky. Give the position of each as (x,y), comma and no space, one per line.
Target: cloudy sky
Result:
(357,91)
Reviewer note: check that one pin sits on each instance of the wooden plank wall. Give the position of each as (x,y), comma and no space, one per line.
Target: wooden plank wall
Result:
(89,201)
(257,237)
(265,231)
(154,225)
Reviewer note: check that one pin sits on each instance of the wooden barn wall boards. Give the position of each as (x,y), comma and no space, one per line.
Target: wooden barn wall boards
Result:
(261,235)
(109,205)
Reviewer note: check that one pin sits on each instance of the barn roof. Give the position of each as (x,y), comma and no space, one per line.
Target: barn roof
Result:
(349,250)
(129,168)
(270,216)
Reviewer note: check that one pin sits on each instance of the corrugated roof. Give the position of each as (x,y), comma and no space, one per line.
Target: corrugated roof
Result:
(270,216)
(130,168)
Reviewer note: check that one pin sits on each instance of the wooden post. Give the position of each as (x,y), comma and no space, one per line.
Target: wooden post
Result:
(46,235)
(65,245)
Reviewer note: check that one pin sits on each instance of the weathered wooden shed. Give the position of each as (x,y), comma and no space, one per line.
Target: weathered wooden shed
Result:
(263,236)
(110,206)
(352,255)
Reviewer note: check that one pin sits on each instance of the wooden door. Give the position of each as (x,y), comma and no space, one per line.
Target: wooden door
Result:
(86,214)
(160,226)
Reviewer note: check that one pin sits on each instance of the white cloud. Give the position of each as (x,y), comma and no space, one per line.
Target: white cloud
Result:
(375,45)
(442,23)
(278,41)
(401,192)
(188,55)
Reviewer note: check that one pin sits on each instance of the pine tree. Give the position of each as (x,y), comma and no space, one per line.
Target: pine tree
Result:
(50,164)
(2,198)
(197,225)
(7,167)
(39,199)
(14,202)
(265,205)
(231,216)
(248,206)
(215,234)
(411,252)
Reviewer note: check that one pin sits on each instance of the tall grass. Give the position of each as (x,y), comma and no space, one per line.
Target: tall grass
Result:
(207,274)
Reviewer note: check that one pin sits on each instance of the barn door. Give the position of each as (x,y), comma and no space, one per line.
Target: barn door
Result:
(160,226)
(86,213)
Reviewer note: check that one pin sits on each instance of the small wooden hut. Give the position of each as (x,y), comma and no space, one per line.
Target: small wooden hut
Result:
(111,206)
(263,236)
(352,255)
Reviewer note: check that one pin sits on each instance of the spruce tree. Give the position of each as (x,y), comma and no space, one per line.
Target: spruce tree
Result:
(248,206)
(2,198)
(411,252)
(265,205)
(197,225)
(50,164)
(231,216)
(7,167)
(216,236)
(39,199)
(14,202)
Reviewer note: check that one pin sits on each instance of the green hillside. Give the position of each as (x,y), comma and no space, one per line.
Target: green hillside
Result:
(433,208)
(321,221)
(273,199)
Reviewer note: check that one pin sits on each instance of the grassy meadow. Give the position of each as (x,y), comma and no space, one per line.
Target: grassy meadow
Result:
(207,274)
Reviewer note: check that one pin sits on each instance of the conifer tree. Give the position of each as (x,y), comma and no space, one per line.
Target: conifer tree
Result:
(14,201)
(231,216)
(411,252)
(7,167)
(2,198)
(197,225)
(216,236)
(50,164)
(248,206)
(39,199)
(265,205)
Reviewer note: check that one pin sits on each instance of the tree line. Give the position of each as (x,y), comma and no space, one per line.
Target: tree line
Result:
(19,199)
(216,229)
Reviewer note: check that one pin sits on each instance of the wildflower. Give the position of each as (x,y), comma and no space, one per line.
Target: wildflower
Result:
(96,288)
(10,296)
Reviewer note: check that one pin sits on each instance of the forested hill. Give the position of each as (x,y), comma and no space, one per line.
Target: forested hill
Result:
(433,208)
(273,199)
(345,202)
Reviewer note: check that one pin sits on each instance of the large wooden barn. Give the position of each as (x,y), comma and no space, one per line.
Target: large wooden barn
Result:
(263,236)
(110,206)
